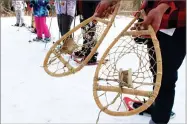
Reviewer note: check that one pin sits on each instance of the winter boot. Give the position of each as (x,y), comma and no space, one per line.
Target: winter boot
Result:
(37,39)
(93,60)
(23,25)
(88,32)
(147,112)
(82,53)
(16,24)
(47,39)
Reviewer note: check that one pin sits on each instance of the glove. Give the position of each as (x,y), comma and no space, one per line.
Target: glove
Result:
(48,7)
(12,8)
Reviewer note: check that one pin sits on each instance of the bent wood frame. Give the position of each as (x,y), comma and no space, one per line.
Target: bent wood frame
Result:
(151,95)
(72,70)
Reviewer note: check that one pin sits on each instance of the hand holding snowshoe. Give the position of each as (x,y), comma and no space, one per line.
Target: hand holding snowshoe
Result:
(105,8)
(140,39)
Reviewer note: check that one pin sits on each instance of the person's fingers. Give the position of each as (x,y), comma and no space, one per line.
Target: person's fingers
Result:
(155,26)
(100,9)
(112,9)
(136,14)
(98,6)
(97,10)
(107,15)
(104,9)
(147,21)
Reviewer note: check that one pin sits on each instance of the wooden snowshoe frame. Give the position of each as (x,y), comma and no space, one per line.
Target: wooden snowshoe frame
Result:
(107,89)
(53,54)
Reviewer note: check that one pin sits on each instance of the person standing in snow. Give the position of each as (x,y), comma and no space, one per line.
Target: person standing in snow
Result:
(86,9)
(169,15)
(40,11)
(65,10)
(19,6)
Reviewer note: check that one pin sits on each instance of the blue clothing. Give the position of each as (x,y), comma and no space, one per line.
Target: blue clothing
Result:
(40,7)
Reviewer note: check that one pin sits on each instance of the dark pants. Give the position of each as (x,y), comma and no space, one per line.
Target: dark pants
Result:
(173,51)
(87,10)
(64,23)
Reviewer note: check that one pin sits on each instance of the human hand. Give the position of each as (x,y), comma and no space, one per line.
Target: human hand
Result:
(105,8)
(154,17)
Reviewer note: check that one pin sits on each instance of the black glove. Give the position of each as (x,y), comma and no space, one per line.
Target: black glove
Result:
(48,7)
(12,8)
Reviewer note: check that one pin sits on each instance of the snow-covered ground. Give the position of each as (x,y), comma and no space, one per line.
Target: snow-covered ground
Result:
(29,95)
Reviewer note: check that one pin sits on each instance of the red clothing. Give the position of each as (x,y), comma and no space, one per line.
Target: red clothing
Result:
(174,17)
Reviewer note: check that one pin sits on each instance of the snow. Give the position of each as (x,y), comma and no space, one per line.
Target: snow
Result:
(30,95)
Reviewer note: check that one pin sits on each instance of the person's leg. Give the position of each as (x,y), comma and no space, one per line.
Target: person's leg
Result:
(59,22)
(88,30)
(22,17)
(38,27)
(173,51)
(17,18)
(88,8)
(44,27)
(66,22)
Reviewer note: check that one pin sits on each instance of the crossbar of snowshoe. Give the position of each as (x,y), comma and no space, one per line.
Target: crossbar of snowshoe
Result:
(123,90)
(117,80)
(101,20)
(136,33)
